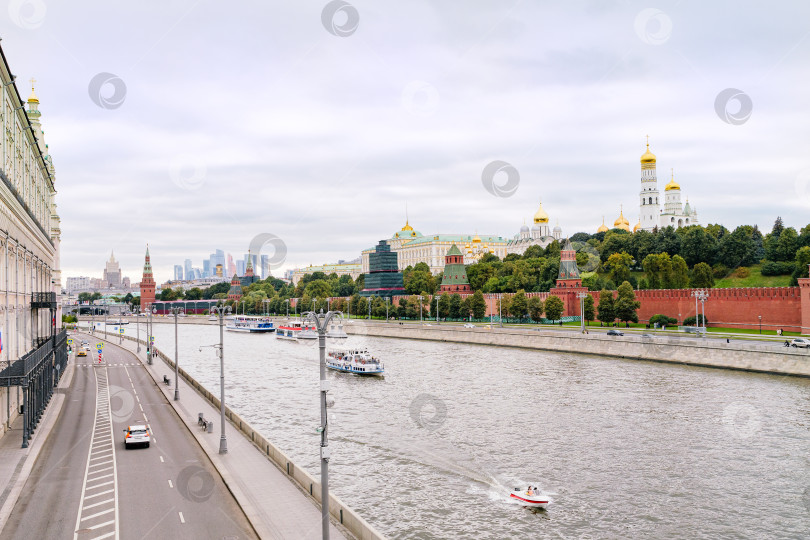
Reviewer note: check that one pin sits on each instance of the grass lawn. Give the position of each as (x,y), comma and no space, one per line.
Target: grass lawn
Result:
(756,279)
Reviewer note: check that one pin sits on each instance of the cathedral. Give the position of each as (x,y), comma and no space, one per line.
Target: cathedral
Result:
(539,235)
(651,214)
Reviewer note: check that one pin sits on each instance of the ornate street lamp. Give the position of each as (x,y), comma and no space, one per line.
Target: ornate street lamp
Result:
(321,322)
(581,297)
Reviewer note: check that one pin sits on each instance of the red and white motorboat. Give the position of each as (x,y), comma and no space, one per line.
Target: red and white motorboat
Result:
(529,497)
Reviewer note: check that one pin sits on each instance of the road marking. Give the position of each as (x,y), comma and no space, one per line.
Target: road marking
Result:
(161,459)
(104,536)
(170,484)
(141,407)
(182,520)
(97,504)
(100,459)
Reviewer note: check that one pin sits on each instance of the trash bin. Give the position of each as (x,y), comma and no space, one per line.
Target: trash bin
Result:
(210,427)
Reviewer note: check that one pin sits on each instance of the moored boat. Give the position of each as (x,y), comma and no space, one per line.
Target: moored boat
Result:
(358,361)
(289,330)
(253,325)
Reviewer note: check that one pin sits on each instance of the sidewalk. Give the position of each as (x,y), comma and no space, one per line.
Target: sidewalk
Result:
(275,506)
(16,462)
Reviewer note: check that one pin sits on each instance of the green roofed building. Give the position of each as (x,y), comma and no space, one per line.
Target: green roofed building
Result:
(384,278)
(454,275)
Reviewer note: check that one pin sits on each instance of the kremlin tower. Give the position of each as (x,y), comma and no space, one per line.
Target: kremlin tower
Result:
(454,275)
(235,292)
(147,284)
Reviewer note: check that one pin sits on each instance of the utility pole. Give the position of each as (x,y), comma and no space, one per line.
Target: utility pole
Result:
(176,310)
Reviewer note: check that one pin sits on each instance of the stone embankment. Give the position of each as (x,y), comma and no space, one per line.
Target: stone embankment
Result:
(706,352)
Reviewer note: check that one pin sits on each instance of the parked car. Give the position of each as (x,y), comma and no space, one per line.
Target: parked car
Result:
(136,435)
(803,343)
(469,325)
(613,332)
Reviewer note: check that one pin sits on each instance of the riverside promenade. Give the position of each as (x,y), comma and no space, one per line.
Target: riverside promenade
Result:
(276,507)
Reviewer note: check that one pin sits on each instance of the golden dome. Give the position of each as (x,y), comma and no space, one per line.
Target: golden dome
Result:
(33,98)
(621,222)
(648,157)
(672,183)
(638,226)
(602,227)
(540,216)
(476,239)
(407,227)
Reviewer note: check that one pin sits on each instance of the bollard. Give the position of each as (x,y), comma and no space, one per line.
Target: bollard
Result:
(210,427)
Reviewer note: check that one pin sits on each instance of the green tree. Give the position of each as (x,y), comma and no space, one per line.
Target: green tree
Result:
(195,293)
(444,306)
(702,276)
(535,305)
(626,304)
(618,266)
(554,308)
(668,241)
(697,246)
(318,288)
(589,312)
(419,279)
(455,306)
(607,306)
(679,277)
(478,305)
(802,262)
(616,241)
(519,305)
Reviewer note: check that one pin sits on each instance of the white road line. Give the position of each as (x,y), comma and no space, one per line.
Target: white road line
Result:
(141,407)
(101,470)
(97,504)
(161,459)
(104,535)
(99,457)
(102,476)
(99,513)
(99,485)
(182,520)
(100,525)
(170,484)
(98,494)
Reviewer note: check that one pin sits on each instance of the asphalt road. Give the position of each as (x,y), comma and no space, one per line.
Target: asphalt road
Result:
(169,490)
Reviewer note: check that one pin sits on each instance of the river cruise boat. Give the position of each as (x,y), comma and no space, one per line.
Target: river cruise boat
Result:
(253,325)
(291,329)
(529,497)
(358,361)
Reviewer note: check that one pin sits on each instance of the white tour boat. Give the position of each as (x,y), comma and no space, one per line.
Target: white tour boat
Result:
(253,325)
(356,361)
(290,330)
(529,497)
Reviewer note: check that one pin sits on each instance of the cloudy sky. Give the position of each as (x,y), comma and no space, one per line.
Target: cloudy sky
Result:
(318,121)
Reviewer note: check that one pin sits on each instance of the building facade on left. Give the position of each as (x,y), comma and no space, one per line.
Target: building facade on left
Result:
(33,350)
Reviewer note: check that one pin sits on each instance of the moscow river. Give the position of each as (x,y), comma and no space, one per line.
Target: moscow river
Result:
(627,449)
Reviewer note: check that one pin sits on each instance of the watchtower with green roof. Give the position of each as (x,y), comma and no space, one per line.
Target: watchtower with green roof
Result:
(454,276)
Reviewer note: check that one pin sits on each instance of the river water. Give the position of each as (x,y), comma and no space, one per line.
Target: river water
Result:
(626,449)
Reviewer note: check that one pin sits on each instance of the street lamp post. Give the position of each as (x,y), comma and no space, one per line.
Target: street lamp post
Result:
(581,297)
(137,311)
(221,311)
(386,309)
(420,310)
(437,310)
(760,324)
(499,310)
(321,322)
(701,295)
(176,310)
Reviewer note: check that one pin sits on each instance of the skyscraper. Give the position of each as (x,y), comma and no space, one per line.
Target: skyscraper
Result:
(206,269)
(265,267)
(112,272)
(178,272)
(240,268)
(187,267)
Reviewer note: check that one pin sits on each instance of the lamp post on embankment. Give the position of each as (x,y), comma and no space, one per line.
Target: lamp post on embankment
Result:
(176,311)
(581,297)
(221,311)
(321,322)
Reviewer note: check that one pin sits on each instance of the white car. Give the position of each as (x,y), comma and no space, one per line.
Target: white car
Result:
(136,435)
(469,325)
(803,343)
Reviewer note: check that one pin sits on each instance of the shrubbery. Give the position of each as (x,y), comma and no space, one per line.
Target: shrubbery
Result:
(691,321)
(777,268)
(662,320)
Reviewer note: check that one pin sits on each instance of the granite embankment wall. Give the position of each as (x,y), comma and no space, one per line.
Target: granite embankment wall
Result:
(345,515)
(707,352)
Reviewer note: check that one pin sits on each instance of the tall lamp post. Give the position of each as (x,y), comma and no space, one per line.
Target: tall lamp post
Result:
(760,324)
(176,310)
(437,310)
(321,322)
(221,311)
(137,311)
(581,297)
(701,295)
(420,310)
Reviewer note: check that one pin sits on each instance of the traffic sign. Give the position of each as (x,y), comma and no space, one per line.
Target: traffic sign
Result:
(121,331)
(99,346)
(70,341)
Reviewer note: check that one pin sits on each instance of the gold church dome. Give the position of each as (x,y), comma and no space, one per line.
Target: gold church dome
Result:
(540,216)
(602,227)
(476,239)
(638,226)
(621,222)
(648,157)
(407,227)
(672,184)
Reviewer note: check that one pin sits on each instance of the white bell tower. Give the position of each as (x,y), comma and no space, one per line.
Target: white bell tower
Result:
(649,208)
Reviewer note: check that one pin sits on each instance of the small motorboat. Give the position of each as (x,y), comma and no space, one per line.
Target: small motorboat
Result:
(530,497)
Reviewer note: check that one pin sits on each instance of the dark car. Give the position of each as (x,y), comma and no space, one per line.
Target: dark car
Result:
(615,333)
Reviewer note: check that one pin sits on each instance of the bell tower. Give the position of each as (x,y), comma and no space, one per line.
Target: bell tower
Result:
(649,208)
